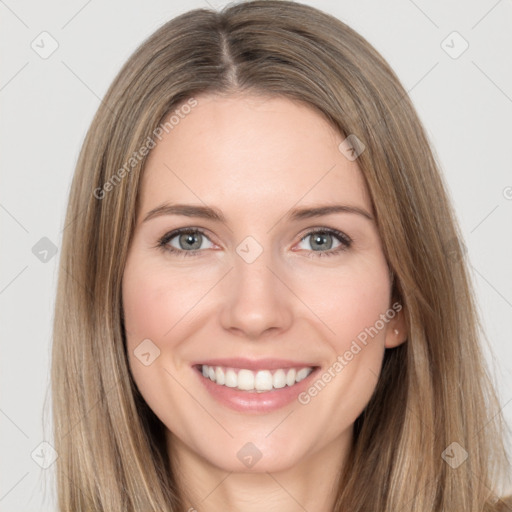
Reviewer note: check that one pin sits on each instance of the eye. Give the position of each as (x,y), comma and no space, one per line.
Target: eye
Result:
(190,242)
(322,240)
(184,241)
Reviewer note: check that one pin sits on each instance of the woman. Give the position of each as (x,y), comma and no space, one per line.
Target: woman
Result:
(263,301)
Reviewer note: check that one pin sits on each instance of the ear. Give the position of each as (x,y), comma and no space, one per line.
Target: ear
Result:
(396,329)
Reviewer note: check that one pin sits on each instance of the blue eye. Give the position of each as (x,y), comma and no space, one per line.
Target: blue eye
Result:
(190,241)
(187,238)
(323,238)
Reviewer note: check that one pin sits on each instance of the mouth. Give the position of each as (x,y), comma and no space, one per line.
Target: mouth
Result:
(255,381)
(252,386)
(255,386)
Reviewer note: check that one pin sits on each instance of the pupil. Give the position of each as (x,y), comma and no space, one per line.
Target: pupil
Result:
(188,240)
(320,241)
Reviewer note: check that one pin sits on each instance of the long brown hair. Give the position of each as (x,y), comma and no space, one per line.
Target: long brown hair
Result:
(434,390)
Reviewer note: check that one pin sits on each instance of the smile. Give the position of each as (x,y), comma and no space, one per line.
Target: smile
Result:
(254,381)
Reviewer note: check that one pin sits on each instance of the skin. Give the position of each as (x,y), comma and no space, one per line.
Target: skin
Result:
(254,159)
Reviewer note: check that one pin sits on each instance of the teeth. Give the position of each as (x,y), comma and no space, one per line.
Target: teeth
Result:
(290,377)
(263,381)
(302,374)
(246,380)
(279,379)
(220,378)
(260,381)
(231,379)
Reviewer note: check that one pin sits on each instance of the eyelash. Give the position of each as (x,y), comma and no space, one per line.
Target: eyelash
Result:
(345,241)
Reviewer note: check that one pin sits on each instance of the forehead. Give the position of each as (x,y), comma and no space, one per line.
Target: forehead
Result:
(247,151)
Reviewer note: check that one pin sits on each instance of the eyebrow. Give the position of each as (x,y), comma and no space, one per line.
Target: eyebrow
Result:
(210,213)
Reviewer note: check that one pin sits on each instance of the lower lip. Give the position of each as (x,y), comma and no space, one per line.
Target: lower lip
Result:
(246,401)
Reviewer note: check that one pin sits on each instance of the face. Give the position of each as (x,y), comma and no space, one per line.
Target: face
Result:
(285,309)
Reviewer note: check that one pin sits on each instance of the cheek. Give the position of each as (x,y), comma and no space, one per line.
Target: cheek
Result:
(349,302)
(155,300)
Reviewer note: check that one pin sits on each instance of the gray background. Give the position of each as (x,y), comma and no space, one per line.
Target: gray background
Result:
(464,101)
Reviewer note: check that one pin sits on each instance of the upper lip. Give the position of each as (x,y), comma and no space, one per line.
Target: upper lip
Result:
(255,364)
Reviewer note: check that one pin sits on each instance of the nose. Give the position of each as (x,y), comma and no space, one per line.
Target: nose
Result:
(258,301)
